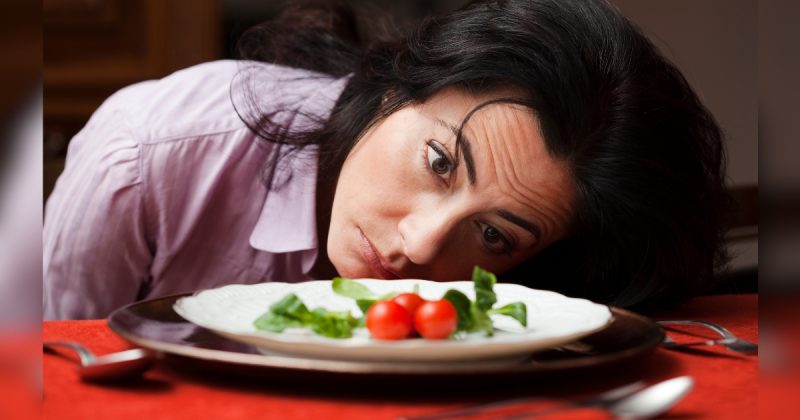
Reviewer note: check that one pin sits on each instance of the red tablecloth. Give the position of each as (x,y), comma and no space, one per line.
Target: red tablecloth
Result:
(726,383)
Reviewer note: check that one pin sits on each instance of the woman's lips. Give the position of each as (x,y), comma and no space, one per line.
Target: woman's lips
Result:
(371,256)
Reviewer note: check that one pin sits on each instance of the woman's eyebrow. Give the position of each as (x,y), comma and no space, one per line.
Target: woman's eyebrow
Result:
(513,218)
(462,143)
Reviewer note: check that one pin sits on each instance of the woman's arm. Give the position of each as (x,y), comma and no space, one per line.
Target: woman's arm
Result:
(96,254)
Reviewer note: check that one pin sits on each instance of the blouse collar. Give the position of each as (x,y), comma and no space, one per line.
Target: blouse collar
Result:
(287,222)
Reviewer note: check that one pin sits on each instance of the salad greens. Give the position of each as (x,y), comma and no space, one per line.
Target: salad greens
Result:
(473,316)
(292,312)
(361,294)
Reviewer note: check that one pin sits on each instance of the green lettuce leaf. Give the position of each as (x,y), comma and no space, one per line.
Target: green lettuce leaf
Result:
(462,304)
(516,310)
(484,282)
(351,289)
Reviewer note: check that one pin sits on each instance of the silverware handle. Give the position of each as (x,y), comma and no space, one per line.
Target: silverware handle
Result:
(717,328)
(668,342)
(603,398)
(472,410)
(85,355)
(549,410)
(729,340)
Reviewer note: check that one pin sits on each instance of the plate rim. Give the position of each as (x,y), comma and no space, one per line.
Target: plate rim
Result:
(312,365)
(440,351)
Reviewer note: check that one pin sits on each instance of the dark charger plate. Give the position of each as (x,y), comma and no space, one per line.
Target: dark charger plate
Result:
(154,325)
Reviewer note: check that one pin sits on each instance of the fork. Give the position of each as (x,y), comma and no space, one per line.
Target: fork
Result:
(729,340)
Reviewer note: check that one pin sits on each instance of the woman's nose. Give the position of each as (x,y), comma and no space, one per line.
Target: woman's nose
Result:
(424,233)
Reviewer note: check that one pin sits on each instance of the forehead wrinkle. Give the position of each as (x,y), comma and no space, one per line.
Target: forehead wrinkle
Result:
(509,180)
(542,199)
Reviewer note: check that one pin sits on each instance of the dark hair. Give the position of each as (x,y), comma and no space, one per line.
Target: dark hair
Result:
(645,155)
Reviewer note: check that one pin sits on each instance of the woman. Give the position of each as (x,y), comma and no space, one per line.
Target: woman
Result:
(547,141)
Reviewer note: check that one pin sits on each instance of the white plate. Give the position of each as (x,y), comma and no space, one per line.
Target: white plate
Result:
(553,319)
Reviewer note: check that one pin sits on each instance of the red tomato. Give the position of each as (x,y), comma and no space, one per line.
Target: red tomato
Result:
(410,301)
(387,320)
(436,319)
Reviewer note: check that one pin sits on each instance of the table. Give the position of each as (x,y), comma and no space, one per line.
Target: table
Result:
(726,384)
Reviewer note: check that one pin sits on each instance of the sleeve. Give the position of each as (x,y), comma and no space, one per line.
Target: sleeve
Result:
(96,254)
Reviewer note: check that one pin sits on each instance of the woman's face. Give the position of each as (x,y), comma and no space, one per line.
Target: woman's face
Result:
(404,207)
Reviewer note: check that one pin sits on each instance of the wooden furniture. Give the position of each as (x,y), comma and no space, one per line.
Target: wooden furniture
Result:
(92,48)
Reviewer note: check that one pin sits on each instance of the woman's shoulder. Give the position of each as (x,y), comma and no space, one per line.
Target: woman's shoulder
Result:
(208,98)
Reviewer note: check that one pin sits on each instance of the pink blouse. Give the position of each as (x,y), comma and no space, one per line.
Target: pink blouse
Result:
(163,191)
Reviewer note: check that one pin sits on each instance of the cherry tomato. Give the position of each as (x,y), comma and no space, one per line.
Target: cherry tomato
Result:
(436,319)
(388,320)
(410,301)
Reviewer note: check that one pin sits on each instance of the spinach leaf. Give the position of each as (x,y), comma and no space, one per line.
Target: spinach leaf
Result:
(516,310)
(351,289)
(484,282)
(291,312)
(287,312)
(480,320)
(473,316)
(364,304)
(334,324)
(361,294)
(461,303)
(270,321)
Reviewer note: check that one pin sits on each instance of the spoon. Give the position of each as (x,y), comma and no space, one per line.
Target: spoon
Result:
(650,402)
(609,396)
(127,364)
(654,400)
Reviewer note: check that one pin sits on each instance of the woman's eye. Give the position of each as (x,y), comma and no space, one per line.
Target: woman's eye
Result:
(494,240)
(438,161)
